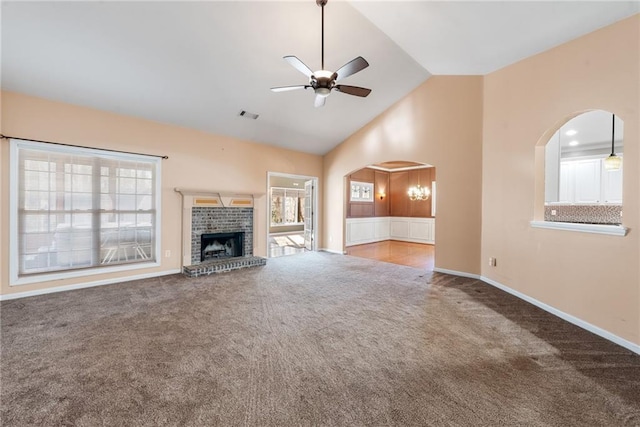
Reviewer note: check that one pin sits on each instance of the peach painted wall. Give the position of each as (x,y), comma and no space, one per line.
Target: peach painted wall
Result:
(439,123)
(197,160)
(595,278)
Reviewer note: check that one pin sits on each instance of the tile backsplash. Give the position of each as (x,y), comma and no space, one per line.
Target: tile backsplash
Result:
(585,214)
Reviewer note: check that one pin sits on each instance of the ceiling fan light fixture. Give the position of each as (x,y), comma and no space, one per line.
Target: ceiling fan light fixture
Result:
(323,91)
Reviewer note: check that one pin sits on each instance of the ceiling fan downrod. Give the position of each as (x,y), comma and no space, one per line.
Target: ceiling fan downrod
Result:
(322,3)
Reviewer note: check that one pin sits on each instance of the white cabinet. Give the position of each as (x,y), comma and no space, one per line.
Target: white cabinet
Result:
(612,186)
(586,181)
(567,179)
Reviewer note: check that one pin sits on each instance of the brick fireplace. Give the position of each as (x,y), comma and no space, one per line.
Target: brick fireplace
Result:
(217,232)
(221,220)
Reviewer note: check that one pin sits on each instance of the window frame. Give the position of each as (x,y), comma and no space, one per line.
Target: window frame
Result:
(14,191)
(284,205)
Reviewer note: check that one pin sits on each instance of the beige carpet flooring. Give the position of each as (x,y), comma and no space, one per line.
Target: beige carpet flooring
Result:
(310,339)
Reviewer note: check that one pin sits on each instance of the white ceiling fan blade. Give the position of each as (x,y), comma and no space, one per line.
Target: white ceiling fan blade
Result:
(288,88)
(298,65)
(352,67)
(319,102)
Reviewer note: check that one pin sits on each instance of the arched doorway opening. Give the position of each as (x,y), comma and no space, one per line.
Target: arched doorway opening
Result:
(390,210)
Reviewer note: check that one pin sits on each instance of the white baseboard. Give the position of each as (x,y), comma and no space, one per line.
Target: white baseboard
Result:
(85,285)
(457,273)
(331,251)
(387,239)
(365,242)
(568,317)
(412,240)
(549,309)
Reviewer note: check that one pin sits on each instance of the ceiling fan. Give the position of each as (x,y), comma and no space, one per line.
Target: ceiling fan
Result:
(322,81)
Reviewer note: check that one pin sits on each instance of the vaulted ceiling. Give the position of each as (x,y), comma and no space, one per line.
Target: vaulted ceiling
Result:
(198,64)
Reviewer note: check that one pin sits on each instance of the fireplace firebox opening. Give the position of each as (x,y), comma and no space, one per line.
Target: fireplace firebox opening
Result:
(221,245)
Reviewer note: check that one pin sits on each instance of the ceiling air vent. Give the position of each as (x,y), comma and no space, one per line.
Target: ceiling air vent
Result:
(248,115)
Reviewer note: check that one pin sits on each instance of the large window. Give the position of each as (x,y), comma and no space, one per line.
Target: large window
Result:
(76,208)
(287,206)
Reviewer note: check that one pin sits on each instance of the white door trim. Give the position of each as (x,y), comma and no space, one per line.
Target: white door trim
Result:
(315,204)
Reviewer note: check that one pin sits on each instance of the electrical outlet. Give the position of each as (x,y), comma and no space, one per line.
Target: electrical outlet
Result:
(492,262)
(167,254)
(553,212)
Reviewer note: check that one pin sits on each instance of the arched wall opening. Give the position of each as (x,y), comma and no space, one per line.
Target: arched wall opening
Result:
(439,123)
(576,180)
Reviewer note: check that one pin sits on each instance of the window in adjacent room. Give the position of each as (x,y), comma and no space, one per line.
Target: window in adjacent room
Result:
(81,209)
(287,206)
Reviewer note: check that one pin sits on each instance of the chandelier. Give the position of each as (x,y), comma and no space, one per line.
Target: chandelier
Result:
(418,193)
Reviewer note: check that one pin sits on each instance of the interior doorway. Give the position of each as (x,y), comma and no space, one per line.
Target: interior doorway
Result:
(390,213)
(292,220)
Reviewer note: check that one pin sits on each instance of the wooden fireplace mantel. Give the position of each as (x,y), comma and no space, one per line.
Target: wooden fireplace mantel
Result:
(213,198)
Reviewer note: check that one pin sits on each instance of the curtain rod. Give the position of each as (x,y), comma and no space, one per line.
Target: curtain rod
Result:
(81,146)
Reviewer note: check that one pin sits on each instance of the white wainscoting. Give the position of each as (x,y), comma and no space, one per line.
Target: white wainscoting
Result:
(367,230)
(378,229)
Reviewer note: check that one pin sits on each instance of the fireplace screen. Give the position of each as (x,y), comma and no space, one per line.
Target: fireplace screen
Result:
(221,245)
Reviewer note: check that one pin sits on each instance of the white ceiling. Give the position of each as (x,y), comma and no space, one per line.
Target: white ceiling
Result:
(198,64)
(590,130)
(478,37)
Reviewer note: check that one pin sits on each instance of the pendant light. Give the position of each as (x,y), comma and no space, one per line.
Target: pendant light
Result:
(613,162)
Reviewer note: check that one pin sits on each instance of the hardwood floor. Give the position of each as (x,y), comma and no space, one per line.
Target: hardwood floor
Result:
(416,255)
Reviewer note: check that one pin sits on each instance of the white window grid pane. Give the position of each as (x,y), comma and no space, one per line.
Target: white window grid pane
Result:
(291,205)
(287,206)
(277,209)
(36,223)
(61,220)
